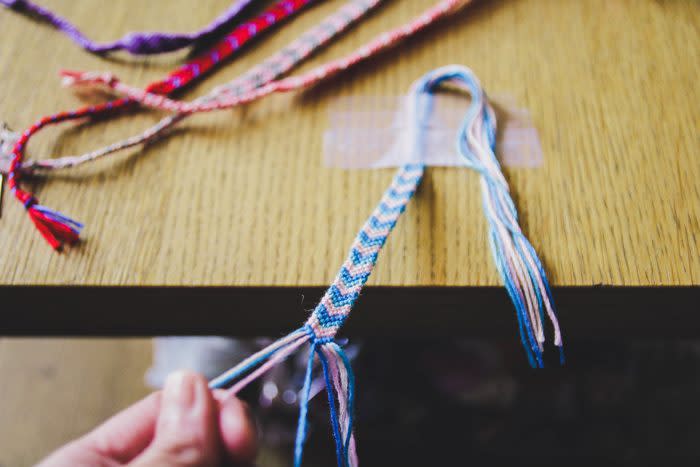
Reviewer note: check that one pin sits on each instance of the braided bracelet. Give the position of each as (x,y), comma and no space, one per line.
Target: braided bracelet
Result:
(276,65)
(375,46)
(229,44)
(135,43)
(59,229)
(516,260)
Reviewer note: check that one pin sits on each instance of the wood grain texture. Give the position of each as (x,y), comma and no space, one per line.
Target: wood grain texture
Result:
(241,198)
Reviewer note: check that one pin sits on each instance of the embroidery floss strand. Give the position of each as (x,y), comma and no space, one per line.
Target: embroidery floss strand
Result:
(515,257)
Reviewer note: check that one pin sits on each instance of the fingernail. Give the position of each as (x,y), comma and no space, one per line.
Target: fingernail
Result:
(186,431)
(179,389)
(179,395)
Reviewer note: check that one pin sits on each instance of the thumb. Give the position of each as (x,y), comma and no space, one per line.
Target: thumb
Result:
(187,433)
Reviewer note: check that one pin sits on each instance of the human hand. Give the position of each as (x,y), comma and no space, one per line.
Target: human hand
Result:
(185,425)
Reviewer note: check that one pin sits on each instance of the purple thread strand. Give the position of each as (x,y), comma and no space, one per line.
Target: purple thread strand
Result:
(136,43)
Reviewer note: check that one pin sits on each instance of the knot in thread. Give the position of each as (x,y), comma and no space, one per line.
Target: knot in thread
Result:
(314,339)
(28,201)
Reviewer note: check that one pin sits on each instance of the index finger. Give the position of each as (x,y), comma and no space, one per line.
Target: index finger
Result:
(126,434)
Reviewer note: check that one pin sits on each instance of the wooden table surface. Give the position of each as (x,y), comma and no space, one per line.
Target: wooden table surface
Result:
(237,213)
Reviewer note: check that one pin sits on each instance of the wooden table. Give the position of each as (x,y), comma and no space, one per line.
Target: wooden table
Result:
(234,226)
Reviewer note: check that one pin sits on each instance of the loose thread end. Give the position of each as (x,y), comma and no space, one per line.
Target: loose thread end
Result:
(56,228)
(562,357)
(71,78)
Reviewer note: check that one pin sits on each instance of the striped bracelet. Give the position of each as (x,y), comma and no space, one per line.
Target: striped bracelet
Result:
(147,98)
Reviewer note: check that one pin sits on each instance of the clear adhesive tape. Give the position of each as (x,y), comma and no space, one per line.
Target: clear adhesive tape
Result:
(371,132)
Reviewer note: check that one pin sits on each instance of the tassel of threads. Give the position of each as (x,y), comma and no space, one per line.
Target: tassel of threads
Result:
(56,228)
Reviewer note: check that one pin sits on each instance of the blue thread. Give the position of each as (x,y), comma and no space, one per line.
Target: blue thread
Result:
(501,210)
(525,336)
(533,278)
(75,226)
(228,377)
(334,414)
(304,408)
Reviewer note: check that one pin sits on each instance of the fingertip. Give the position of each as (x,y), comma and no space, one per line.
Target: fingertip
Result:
(186,397)
(187,428)
(238,430)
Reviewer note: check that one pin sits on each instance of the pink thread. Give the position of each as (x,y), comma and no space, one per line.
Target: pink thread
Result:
(271,348)
(262,369)
(339,376)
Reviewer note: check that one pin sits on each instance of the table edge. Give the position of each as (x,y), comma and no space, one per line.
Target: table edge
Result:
(584,311)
